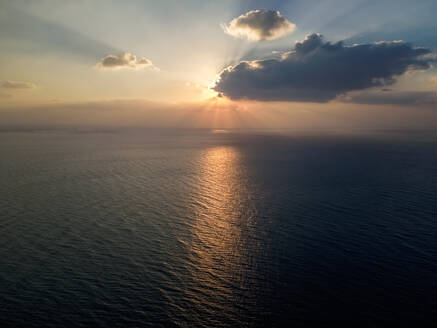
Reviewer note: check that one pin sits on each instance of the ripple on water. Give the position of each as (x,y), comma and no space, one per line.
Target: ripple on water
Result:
(215,230)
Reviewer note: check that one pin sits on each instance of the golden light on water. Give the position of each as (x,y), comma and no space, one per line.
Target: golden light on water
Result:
(221,210)
(216,208)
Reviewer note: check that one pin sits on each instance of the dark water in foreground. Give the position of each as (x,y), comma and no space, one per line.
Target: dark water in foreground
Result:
(195,229)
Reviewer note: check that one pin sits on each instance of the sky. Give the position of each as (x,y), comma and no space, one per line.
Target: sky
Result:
(221,64)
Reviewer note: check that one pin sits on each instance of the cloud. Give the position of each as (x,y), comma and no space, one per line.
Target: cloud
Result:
(213,113)
(17,85)
(5,95)
(123,113)
(319,71)
(259,25)
(388,97)
(124,60)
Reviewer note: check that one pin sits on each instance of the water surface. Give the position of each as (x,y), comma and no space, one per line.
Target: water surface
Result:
(123,228)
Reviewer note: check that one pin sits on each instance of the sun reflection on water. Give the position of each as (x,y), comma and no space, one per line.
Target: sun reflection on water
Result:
(223,215)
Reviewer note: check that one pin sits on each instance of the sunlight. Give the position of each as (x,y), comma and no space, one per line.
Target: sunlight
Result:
(221,202)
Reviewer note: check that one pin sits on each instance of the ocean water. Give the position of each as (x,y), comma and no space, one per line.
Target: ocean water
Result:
(149,228)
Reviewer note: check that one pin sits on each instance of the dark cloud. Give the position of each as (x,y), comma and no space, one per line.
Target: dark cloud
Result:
(319,71)
(17,85)
(124,60)
(260,25)
(388,97)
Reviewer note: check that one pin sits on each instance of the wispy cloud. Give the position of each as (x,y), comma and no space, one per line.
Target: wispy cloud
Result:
(259,25)
(17,85)
(5,95)
(21,30)
(387,97)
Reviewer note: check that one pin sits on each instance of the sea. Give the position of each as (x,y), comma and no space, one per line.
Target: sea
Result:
(120,227)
